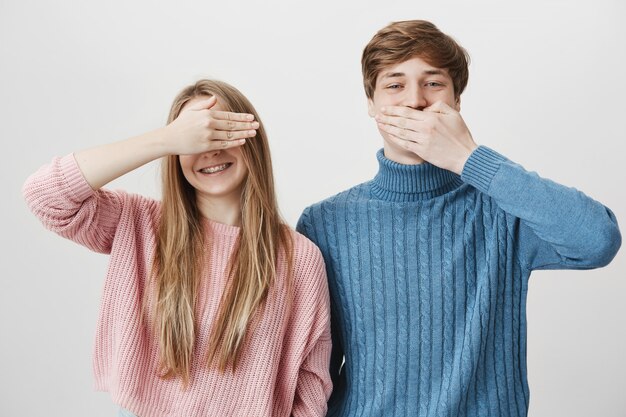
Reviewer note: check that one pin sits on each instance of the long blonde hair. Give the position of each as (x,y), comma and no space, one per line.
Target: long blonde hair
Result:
(178,259)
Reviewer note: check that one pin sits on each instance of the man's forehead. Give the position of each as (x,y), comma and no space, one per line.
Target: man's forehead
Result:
(411,67)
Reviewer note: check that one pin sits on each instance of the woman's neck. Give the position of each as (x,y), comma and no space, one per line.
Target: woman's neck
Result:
(225,210)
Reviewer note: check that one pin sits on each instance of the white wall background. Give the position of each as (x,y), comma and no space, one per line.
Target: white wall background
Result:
(547,89)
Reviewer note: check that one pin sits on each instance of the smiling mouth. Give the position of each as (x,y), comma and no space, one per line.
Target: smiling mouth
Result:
(215,169)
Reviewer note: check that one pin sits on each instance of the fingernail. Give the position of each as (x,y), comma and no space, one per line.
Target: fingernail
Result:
(249,117)
(255,125)
(252,132)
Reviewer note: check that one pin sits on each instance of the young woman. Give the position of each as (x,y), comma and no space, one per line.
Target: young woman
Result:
(212,306)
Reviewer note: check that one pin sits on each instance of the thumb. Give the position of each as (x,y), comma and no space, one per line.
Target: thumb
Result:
(204,104)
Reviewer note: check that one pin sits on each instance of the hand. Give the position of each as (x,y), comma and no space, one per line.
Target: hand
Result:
(199,129)
(437,134)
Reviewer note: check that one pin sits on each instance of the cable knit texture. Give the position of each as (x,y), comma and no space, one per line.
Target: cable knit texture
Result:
(428,275)
(283,369)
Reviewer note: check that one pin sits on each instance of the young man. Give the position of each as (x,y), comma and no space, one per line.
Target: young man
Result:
(428,263)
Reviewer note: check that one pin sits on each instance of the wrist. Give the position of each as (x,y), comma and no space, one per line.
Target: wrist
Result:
(460,165)
(161,141)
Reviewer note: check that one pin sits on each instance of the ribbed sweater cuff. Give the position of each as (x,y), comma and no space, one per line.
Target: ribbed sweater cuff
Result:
(74,178)
(481,167)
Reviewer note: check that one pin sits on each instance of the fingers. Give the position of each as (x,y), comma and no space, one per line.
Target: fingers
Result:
(400,133)
(229,126)
(233,117)
(218,124)
(401,122)
(409,145)
(232,126)
(403,111)
(227,135)
(221,115)
(439,107)
(226,144)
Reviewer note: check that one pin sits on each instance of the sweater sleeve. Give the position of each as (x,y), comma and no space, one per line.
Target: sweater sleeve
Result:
(65,203)
(314,385)
(559,227)
(337,355)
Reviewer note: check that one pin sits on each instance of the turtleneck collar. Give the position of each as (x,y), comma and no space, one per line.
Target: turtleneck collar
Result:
(396,182)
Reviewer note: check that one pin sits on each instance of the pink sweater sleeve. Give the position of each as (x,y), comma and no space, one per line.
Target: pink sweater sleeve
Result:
(61,198)
(314,384)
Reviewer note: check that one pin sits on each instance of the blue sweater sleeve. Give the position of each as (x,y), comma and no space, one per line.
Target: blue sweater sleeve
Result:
(559,227)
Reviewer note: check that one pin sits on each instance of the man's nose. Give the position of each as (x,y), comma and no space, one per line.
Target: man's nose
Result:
(414,98)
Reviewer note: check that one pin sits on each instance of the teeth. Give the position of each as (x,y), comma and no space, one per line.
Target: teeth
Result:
(213,170)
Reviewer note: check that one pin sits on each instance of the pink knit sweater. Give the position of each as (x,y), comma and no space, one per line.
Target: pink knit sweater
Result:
(284,365)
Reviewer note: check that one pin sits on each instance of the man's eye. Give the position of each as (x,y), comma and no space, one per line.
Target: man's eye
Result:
(433,84)
(394,86)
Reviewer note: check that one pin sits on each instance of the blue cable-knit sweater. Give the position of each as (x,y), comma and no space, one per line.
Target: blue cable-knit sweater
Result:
(428,275)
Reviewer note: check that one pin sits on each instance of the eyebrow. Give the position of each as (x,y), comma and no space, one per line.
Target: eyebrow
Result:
(401,74)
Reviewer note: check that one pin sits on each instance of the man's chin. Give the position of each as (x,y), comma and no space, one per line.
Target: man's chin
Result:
(400,155)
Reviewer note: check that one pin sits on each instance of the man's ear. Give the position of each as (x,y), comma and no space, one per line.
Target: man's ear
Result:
(457,104)
(371,109)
